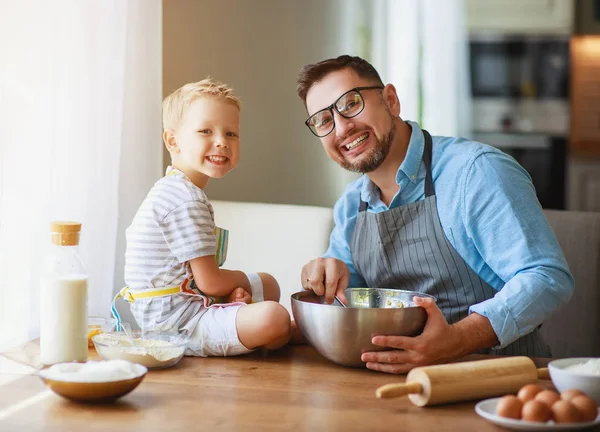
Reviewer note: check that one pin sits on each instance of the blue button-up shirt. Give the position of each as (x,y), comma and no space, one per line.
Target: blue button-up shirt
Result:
(490,213)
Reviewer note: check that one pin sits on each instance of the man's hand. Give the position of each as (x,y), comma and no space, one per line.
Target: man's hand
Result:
(440,342)
(326,276)
(239,295)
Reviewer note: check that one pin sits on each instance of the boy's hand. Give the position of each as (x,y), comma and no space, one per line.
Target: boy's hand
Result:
(239,295)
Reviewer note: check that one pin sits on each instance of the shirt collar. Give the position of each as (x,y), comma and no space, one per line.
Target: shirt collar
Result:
(172,171)
(369,192)
(409,168)
(414,155)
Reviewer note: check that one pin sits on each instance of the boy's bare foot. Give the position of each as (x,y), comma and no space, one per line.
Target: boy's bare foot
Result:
(239,295)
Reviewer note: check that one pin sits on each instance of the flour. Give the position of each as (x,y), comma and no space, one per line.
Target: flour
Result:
(93,371)
(152,353)
(591,367)
(160,350)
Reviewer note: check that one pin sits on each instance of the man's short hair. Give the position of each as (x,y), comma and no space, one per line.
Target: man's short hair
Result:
(312,73)
(174,105)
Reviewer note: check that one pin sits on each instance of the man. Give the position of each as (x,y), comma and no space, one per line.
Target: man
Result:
(446,216)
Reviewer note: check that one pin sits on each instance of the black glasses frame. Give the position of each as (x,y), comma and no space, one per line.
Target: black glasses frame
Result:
(333,106)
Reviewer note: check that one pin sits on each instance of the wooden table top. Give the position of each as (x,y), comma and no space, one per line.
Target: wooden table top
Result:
(294,388)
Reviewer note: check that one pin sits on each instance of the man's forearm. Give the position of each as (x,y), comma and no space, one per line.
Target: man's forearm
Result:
(474,333)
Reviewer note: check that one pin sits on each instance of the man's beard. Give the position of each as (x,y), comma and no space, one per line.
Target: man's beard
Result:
(370,162)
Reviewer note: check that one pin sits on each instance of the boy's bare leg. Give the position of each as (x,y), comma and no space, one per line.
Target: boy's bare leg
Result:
(265,324)
(272,292)
(271,289)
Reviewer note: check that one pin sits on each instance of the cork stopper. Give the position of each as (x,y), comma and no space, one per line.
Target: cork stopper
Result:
(65,233)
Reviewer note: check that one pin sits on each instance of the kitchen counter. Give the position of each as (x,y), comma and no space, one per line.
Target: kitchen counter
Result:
(294,388)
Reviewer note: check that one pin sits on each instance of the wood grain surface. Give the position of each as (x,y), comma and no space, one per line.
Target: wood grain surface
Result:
(291,389)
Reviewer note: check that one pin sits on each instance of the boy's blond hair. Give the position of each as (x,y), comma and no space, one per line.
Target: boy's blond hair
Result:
(175,104)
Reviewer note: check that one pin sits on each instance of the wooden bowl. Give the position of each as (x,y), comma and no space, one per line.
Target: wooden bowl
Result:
(94,391)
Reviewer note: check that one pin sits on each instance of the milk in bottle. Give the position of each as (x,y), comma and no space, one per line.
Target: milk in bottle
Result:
(63,307)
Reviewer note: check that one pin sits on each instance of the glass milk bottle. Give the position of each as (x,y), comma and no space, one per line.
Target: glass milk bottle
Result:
(64,293)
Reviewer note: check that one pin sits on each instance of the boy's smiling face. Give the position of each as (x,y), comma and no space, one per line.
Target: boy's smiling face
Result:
(206,142)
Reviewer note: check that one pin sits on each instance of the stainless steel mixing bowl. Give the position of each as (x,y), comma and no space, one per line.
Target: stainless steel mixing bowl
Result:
(343,334)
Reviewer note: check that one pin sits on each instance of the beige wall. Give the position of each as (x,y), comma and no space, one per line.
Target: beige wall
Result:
(258,47)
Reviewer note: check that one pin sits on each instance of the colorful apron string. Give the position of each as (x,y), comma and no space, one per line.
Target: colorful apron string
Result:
(129,296)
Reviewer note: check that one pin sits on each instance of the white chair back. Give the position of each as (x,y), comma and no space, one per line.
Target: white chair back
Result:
(274,238)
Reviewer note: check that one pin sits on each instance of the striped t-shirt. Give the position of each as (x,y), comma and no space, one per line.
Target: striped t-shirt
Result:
(174,224)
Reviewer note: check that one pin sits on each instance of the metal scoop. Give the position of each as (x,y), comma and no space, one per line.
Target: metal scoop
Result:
(340,302)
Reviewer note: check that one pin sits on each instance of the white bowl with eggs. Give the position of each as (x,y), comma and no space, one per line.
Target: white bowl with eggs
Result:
(581,373)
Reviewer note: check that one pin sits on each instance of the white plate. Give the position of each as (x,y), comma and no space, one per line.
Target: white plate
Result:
(487,410)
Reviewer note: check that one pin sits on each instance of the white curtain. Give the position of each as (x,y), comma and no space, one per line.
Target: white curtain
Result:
(421,46)
(80,93)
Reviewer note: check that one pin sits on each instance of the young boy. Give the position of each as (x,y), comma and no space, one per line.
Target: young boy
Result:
(173,277)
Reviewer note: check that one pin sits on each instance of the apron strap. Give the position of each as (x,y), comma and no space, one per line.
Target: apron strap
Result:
(130,295)
(429,190)
(125,294)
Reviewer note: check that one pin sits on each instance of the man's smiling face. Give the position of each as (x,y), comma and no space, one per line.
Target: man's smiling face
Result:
(361,143)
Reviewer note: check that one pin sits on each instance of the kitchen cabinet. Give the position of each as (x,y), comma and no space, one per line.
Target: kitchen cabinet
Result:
(584,184)
(519,16)
(585,96)
(587,17)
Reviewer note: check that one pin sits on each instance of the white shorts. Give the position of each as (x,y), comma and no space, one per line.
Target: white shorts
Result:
(215,334)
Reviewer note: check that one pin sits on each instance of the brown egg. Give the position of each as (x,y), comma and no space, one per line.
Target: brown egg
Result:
(565,412)
(548,397)
(528,392)
(586,406)
(536,411)
(570,394)
(509,406)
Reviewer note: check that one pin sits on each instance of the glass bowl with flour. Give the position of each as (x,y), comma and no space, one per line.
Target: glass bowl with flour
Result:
(155,350)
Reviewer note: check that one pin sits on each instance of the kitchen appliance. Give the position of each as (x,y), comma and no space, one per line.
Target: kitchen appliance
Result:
(587,17)
(520,92)
(432,385)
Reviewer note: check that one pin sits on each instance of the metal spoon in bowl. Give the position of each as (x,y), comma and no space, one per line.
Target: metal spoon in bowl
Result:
(340,302)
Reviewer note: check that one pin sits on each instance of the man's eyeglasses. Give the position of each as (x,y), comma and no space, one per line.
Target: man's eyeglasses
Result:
(348,105)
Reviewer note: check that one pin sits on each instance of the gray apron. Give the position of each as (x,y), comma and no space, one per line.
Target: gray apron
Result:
(406,248)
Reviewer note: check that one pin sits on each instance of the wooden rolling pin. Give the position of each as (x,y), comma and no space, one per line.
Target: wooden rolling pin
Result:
(431,385)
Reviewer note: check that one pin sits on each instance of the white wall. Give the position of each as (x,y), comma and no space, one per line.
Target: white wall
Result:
(258,47)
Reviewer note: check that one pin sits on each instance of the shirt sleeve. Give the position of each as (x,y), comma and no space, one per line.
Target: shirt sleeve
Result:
(189,231)
(505,221)
(344,218)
